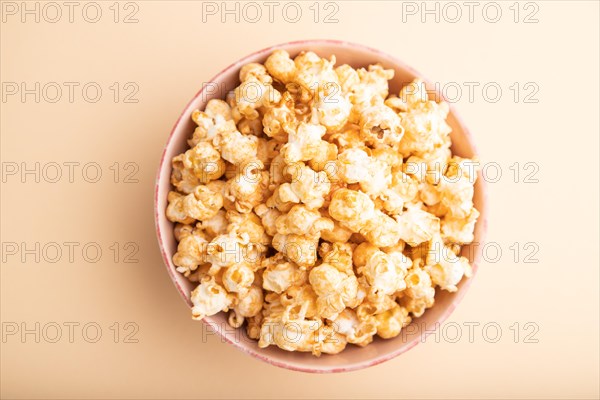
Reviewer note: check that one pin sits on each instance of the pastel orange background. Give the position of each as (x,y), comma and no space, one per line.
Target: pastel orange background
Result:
(167,55)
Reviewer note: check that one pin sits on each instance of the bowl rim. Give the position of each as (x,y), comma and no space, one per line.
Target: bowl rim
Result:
(352,366)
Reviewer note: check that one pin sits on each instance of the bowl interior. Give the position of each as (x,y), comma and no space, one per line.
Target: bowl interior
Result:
(352,357)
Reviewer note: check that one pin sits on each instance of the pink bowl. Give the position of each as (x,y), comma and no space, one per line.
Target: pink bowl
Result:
(353,357)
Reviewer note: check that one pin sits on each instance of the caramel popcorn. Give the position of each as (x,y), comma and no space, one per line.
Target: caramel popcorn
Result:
(279,274)
(203,203)
(251,303)
(303,143)
(209,298)
(237,278)
(205,162)
(385,273)
(318,209)
(191,252)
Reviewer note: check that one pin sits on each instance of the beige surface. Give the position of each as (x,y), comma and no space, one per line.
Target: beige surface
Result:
(168,54)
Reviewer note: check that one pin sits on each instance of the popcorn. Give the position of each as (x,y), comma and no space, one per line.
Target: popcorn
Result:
(379,180)
(444,266)
(362,254)
(280,120)
(283,198)
(292,331)
(255,70)
(389,157)
(302,220)
(330,341)
(248,188)
(222,187)
(391,322)
(351,208)
(325,279)
(395,103)
(297,248)
(301,300)
(337,233)
(314,72)
(414,94)
(247,224)
(203,203)
(191,253)
(356,211)
(456,189)
(303,143)
(290,335)
(325,159)
(416,305)
(277,171)
(348,78)
(253,326)
(429,194)
(390,202)
(251,127)
(250,304)
(334,288)
(405,186)
(348,137)
(374,303)
(372,87)
(280,66)
(307,187)
(182,230)
(338,255)
(417,226)
(279,275)
(235,147)
(216,225)
(333,107)
(237,278)
(205,162)
(234,319)
(216,119)
(385,273)
(255,92)
(459,230)
(183,178)
(228,249)
(381,230)
(268,216)
(356,331)
(424,122)
(419,293)
(316,209)
(209,298)
(354,165)
(176,211)
(379,124)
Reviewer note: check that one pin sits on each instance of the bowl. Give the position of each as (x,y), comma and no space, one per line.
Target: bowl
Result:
(353,357)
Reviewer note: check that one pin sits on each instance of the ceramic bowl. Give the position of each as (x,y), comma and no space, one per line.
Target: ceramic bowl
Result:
(353,357)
